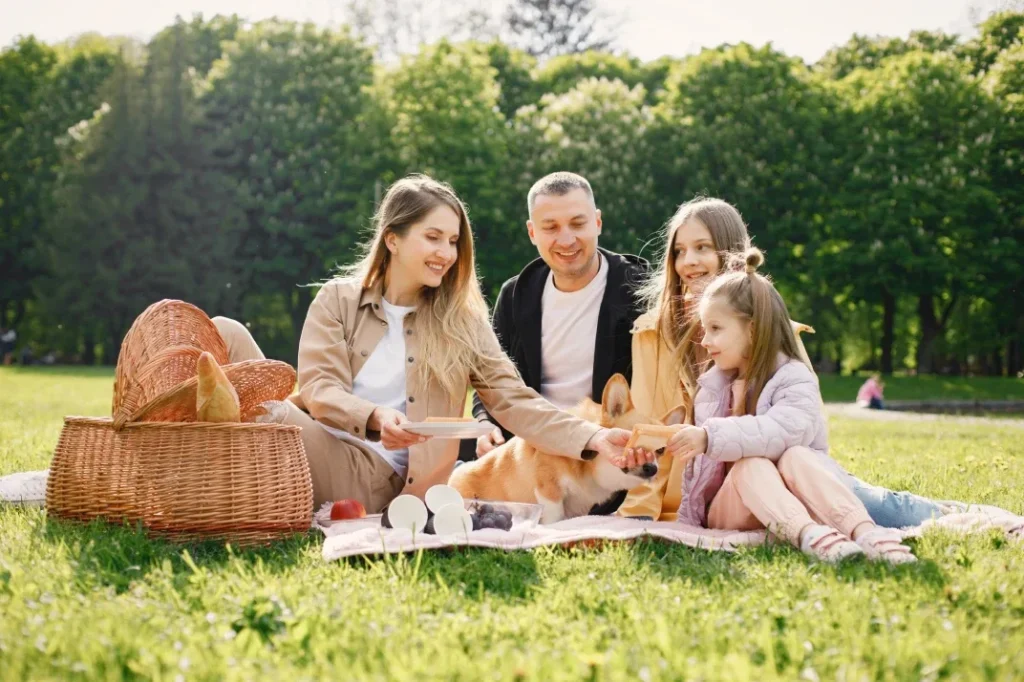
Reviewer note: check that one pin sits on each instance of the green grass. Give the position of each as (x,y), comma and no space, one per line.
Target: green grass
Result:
(94,602)
(843,389)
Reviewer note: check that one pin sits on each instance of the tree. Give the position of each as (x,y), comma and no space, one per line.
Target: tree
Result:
(547,28)
(24,71)
(514,74)
(143,203)
(917,211)
(562,73)
(199,41)
(288,107)
(597,129)
(868,52)
(751,126)
(1005,81)
(40,98)
(442,105)
(999,32)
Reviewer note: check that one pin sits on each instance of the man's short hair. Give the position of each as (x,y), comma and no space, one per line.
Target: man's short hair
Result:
(558,185)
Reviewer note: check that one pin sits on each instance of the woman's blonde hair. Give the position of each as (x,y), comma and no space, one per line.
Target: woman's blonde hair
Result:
(450,317)
(667,296)
(752,297)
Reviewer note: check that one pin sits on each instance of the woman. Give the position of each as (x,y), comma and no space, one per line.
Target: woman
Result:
(398,337)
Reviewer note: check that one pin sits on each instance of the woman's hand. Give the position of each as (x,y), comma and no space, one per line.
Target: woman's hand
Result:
(392,436)
(611,443)
(485,444)
(688,442)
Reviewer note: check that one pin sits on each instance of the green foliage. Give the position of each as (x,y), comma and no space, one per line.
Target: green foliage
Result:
(287,107)
(233,163)
(175,226)
(442,105)
(925,139)
(997,34)
(41,96)
(565,72)
(599,130)
(863,52)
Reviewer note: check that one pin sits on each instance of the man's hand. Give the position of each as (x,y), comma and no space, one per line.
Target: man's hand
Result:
(688,442)
(485,444)
(392,435)
(611,443)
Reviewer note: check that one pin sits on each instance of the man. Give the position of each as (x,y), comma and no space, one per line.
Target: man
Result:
(565,320)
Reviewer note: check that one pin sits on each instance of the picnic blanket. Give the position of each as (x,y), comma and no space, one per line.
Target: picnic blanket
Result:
(366,537)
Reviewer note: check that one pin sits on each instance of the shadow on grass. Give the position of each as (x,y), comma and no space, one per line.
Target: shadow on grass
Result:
(60,370)
(110,555)
(117,555)
(478,573)
(680,562)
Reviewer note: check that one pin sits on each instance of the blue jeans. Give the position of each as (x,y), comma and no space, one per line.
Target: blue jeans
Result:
(891,509)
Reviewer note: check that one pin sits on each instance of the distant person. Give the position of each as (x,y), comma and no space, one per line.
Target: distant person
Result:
(8,338)
(870,393)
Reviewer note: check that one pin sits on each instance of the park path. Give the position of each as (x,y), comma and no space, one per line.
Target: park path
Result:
(853,411)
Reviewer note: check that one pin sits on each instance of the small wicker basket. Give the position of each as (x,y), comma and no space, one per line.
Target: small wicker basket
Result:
(168,336)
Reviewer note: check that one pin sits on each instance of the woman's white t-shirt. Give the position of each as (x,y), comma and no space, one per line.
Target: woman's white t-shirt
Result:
(381,381)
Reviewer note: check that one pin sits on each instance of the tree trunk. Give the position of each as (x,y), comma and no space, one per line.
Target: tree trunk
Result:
(929,334)
(19,313)
(89,353)
(1013,357)
(888,330)
(298,308)
(112,344)
(996,368)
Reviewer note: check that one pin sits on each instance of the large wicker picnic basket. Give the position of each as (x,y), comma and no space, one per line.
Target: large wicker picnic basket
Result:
(153,463)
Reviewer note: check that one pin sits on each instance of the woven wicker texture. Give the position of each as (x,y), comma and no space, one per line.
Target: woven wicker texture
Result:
(255,381)
(246,483)
(162,326)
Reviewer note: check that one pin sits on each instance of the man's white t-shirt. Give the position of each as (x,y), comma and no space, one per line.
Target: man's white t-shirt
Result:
(381,381)
(568,332)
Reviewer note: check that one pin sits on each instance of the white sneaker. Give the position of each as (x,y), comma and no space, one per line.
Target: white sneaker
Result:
(827,544)
(886,544)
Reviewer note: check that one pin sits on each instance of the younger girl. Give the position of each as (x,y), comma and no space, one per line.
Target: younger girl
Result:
(758,455)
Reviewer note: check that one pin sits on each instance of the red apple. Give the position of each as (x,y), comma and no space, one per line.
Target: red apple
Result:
(347,509)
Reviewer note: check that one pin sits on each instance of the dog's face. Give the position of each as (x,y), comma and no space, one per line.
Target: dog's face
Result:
(617,411)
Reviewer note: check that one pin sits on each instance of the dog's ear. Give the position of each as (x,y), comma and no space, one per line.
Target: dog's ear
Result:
(615,401)
(677,415)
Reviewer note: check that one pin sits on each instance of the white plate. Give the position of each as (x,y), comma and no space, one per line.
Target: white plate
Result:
(449,429)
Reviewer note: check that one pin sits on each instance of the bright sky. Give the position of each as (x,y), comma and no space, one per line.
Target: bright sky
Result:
(653,28)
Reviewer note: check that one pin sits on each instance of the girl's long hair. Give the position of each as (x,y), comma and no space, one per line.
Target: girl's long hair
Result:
(751,296)
(667,296)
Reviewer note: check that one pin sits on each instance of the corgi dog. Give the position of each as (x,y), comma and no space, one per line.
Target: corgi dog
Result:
(565,487)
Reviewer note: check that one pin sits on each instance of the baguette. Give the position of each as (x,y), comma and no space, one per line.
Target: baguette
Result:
(652,437)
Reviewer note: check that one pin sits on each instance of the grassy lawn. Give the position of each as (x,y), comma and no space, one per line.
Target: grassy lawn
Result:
(106,603)
(843,389)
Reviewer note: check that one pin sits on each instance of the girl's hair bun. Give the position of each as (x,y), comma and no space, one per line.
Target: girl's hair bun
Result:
(753,259)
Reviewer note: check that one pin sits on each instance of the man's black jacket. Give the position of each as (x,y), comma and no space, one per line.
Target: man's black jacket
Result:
(517,322)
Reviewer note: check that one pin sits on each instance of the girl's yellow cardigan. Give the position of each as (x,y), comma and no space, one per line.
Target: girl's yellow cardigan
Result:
(656,389)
